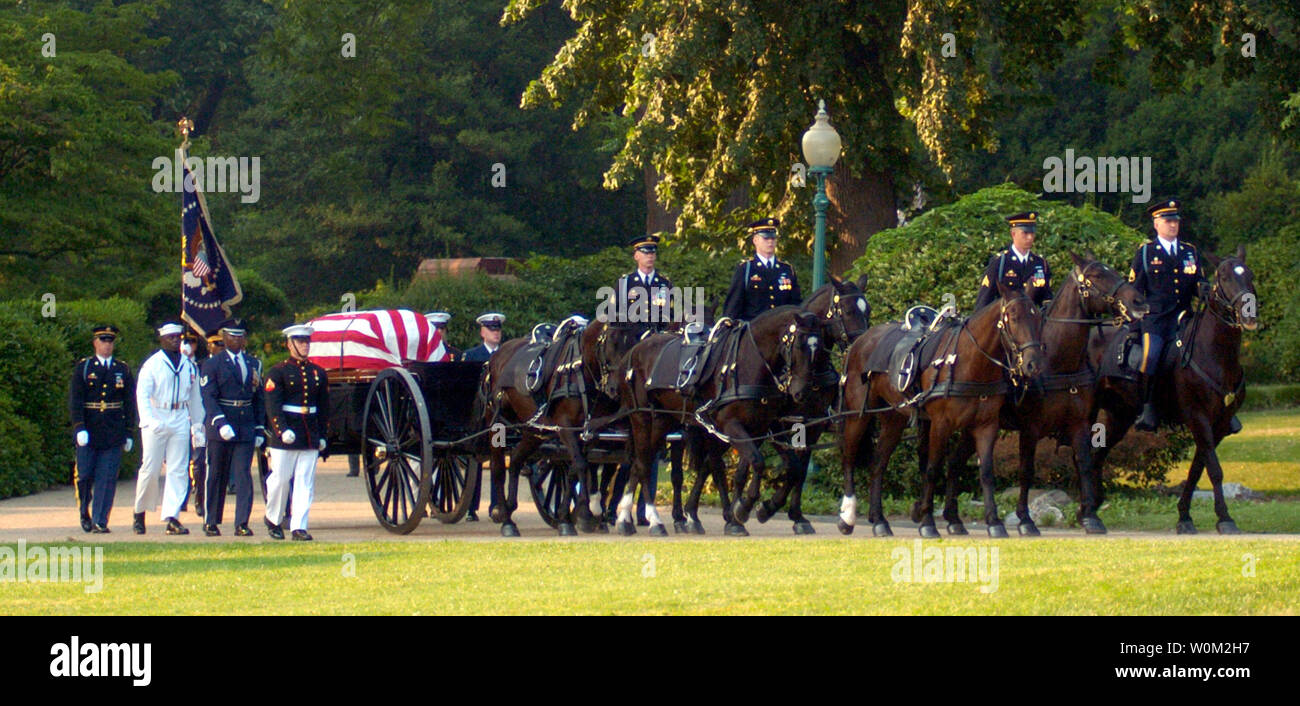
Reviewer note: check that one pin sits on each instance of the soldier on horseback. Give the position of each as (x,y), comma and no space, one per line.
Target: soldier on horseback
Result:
(1017,265)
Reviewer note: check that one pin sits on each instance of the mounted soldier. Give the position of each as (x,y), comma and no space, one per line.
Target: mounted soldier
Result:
(762,282)
(1017,265)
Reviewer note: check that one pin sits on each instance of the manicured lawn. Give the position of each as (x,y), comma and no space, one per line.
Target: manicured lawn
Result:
(1265,456)
(1108,575)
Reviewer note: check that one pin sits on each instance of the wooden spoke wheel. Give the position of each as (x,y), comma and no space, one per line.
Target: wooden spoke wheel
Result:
(455,476)
(547,484)
(397,450)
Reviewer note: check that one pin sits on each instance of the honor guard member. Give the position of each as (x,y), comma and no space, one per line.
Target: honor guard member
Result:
(1167,271)
(171,415)
(231,386)
(439,319)
(297,415)
(489,329)
(644,296)
(199,450)
(1017,265)
(762,282)
(101,402)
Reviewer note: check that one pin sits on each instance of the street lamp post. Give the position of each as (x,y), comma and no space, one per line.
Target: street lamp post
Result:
(821,148)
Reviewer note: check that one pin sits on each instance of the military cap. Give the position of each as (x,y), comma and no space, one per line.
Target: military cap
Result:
(171,329)
(297,331)
(1165,208)
(1026,221)
(233,327)
(765,227)
(648,243)
(491,320)
(438,318)
(103,330)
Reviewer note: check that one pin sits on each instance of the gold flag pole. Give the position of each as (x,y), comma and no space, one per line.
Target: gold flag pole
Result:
(185,126)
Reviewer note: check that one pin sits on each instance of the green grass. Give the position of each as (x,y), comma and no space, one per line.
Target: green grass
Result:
(1265,456)
(817,576)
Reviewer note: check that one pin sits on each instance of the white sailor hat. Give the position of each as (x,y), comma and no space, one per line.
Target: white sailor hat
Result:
(298,331)
(438,317)
(491,320)
(171,329)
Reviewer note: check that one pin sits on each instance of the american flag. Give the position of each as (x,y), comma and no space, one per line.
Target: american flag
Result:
(374,340)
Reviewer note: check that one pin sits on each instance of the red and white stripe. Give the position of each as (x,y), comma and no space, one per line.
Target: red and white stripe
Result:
(374,340)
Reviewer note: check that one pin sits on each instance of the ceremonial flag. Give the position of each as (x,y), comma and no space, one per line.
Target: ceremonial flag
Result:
(374,340)
(208,284)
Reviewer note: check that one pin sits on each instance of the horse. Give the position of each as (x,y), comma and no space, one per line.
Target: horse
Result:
(1062,403)
(751,369)
(961,387)
(845,315)
(1205,383)
(584,387)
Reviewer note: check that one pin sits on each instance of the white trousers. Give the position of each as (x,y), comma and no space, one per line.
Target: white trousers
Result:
(299,465)
(158,446)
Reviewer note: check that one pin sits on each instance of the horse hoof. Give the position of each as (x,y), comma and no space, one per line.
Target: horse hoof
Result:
(804,527)
(735,529)
(658,531)
(916,511)
(998,531)
(762,514)
(498,514)
(509,530)
(587,526)
(1227,527)
(602,528)
(739,512)
(881,529)
(957,529)
(1027,528)
(566,530)
(1185,527)
(845,528)
(1093,525)
(697,527)
(928,532)
(679,527)
(627,529)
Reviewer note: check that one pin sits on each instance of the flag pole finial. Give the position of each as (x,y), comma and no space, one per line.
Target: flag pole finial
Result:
(186,126)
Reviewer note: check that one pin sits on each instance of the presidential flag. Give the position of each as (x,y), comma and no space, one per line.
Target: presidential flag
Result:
(208,284)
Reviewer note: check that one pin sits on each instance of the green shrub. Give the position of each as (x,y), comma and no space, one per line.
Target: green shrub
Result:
(264,306)
(1273,353)
(23,468)
(1260,397)
(945,250)
(74,321)
(34,372)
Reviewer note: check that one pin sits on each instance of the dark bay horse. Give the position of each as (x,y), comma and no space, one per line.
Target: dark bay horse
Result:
(1204,384)
(961,386)
(755,367)
(583,388)
(845,315)
(1061,405)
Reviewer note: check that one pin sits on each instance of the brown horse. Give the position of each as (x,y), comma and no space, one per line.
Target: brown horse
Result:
(758,364)
(961,387)
(1204,385)
(1061,404)
(845,315)
(573,394)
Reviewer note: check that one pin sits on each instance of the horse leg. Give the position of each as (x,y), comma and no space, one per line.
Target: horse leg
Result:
(1225,525)
(1185,524)
(1114,427)
(855,444)
(509,500)
(985,437)
(659,429)
(745,484)
(766,508)
(678,478)
(1028,445)
(577,470)
(923,509)
(1082,443)
(891,432)
(797,479)
(702,464)
(963,450)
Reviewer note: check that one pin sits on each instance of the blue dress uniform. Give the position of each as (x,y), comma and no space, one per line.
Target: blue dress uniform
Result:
(1168,275)
(231,397)
(1009,269)
(757,287)
(481,354)
(101,402)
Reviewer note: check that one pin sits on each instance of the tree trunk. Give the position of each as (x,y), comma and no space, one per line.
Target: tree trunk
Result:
(860,208)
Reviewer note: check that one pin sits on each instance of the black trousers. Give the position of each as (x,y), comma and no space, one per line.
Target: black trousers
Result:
(227,460)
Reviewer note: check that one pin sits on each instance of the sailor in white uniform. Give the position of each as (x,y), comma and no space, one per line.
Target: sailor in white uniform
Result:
(171,416)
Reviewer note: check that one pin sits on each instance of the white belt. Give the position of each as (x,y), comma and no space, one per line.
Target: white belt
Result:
(166,405)
(295,409)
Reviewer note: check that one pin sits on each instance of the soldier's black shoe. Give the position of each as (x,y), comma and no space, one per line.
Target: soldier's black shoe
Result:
(138,525)
(471,517)
(198,509)
(1234,425)
(243,531)
(273,530)
(86,524)
(1148,421)
(100,529)
(211,531)
(175,527)
(301,536)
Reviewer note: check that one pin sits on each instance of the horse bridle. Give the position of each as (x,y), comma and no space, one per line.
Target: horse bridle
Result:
(1086,288)
(1217,296)
(836,311)
(786,352)
(1009,346)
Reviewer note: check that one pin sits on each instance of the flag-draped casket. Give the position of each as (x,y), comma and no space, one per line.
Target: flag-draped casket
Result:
(374,340)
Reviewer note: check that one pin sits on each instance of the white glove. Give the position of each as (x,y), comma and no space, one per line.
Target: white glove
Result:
(197,441)
(226,432)
(196,430)
(288,436)
(129,443)
(83,437)
(258,440)
(321,445)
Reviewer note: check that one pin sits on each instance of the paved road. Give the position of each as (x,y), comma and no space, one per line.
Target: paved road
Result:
(342,513)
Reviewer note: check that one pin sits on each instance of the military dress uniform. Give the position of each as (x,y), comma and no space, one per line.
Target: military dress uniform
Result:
(297,414)
(171,414)
(231,387)
(481,353)
(1010,269)
(759,285)
(101,403)
(1168,274)
(439,320)
(198,445)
